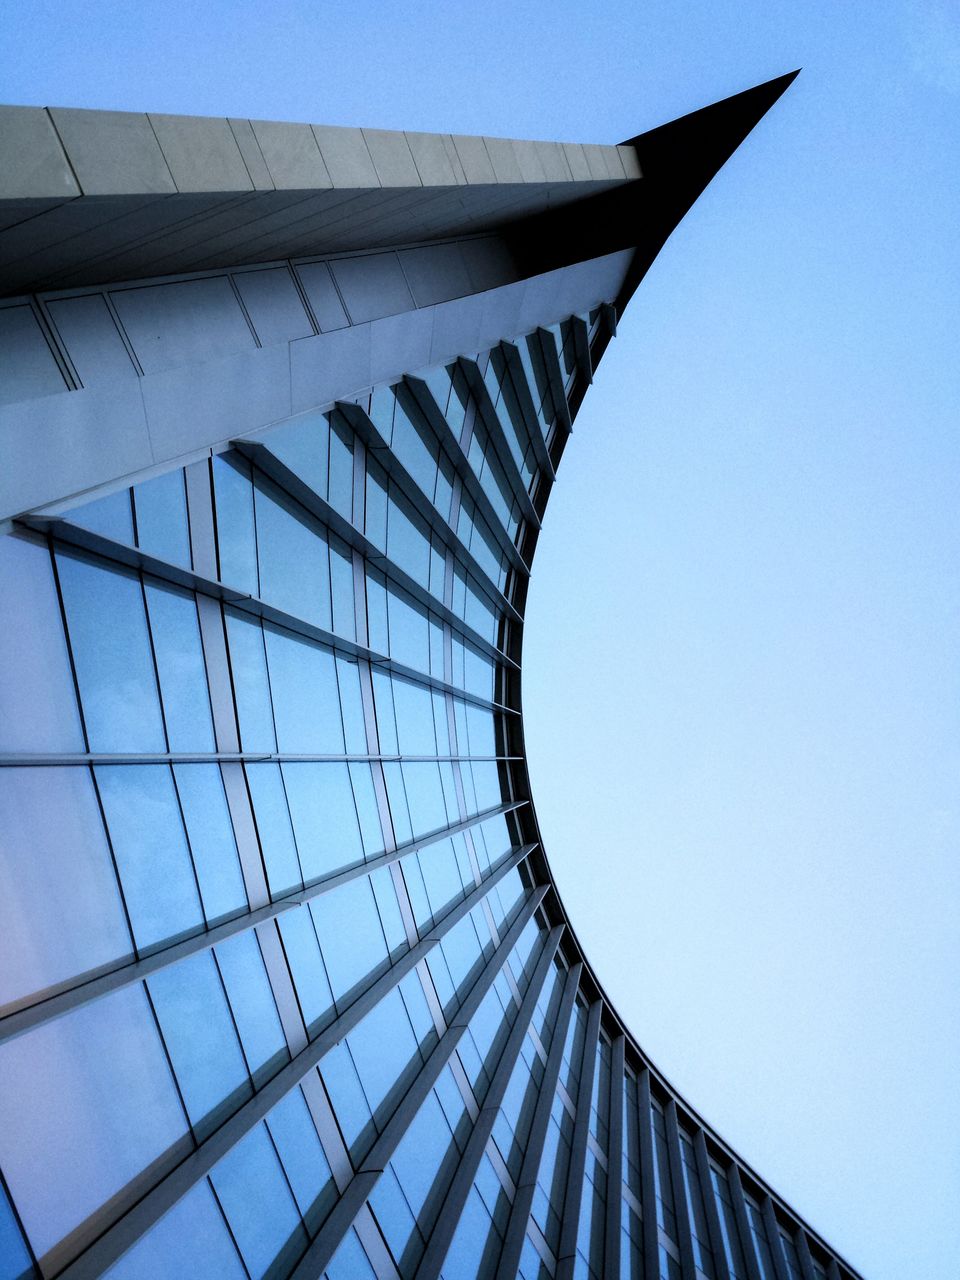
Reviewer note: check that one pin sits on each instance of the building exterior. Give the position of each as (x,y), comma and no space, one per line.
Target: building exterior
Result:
(286,989)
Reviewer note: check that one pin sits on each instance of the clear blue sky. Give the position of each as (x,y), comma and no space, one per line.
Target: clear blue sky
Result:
(746,590)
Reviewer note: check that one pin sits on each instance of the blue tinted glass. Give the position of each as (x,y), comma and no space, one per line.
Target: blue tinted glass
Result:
(200,1038)
(341,468)
(306,704)
(183,678)
(60,908)
(38,703)
(306,969)
(274,829)
(15,1263)
(294,562)
(251,1001)
(441,876)
(191,1240)
(303,445)
(408,540)
(396,1222)
(386,720)
(146,830)
(376,507)
(414,711)
(162,529)
(324,817)
(212,842)
(251,686)
(90,1096)
(409,641)
(346,1097)
(341,582)
(236,531)
(368,811)
(390,917)
(351,703)
(424,797)
(349,910)
(350,1262)
(111,517)
(411,447)
(377,637)
(383,1048)
(295,1138)
(474,1247)
(111,651)
(257,1203)
(398,803)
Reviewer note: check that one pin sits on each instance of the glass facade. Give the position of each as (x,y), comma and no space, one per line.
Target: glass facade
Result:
(285,987)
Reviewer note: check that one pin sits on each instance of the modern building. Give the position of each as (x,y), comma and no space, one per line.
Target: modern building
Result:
(286,987)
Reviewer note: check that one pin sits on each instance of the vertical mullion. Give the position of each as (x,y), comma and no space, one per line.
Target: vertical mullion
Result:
(455,1200)
(740,1212)
(803,1253)
(773,1238)
(681,1205)
(648,1186)
(615,1159)
(567,1248)
(710,1206)
(526,1183)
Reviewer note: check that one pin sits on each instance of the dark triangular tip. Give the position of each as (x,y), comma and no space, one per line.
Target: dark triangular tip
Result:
(710,135)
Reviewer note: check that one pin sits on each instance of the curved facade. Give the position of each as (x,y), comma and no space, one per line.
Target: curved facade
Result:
(287,989)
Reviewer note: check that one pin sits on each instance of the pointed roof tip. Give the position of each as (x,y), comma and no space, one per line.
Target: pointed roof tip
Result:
(747,107)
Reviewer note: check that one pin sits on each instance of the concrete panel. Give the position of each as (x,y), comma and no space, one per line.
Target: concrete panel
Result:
(328,367)
(32,161)
(554,161)
(453,155)
(27,365)
(474,159)
(436,273)
(399,344)
(273,305)
(190,408)
(505,163)
(392,158)
(630,162)
(188,321)
(113,152)
(62,445)
(531,166)
(346,156)
(291,155)
(91,339)
(322,295)
(201,153)
(577,161)
(372,286)
(256,166)
(430,157)
(596,161)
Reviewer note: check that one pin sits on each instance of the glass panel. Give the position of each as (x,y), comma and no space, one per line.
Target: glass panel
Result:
(251,684)
(111,650)
(183,677)
(162,527)
(298,1146)
(253,1006)
(212,843)
(146,830)
(274,829)
(38,703)
(324,817)
(92,1091)
(294,562)
(111,517)
(191,1240)
(236,530)
(306,702)
(61,914)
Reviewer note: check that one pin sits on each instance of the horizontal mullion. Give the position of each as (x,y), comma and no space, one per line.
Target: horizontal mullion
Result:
(528,408)
(468,477)
(11,760)
(497,433)
(75,536)
(87,990)
(360,422)
(551,361)
(290,482)
(128,1228)
(358,1190)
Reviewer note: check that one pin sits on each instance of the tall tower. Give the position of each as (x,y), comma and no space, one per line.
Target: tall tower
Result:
(286,988)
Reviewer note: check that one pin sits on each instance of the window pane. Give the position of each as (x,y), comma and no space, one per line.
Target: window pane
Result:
(183,677)
(161,506)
